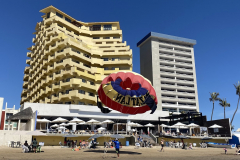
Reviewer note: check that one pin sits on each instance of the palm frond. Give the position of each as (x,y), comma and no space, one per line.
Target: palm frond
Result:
(237,86)
(214,96)
(223,102)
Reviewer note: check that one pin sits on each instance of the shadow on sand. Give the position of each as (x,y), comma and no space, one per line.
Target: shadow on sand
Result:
(112,151)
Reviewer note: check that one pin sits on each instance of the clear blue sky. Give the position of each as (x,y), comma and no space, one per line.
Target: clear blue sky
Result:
(215,25)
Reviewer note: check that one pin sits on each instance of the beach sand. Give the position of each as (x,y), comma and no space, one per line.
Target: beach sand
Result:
(130,153)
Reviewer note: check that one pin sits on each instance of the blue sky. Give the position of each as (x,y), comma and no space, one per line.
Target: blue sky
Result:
(213,24)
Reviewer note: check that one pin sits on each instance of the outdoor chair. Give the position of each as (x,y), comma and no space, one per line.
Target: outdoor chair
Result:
(38,149)
(9,144)
(137,145)
(194,144)
(177,145)
(181,145)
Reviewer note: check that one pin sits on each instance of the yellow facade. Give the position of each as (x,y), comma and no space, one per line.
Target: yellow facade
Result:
(70,58)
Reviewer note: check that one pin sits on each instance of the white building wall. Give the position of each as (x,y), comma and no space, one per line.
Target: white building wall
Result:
(84,111)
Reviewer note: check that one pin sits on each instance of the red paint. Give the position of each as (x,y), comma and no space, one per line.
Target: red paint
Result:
(2,120)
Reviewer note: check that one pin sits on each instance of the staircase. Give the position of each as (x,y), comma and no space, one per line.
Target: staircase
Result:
(154,139)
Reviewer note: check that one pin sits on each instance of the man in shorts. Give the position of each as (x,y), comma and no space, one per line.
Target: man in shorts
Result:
(117,144)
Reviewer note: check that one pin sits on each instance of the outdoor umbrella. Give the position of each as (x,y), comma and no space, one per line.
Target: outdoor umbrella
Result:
(215,126)
(92,122)
(96,136)
(54,126)
(76,120)
(149,125)
(179,124)
(108,122)
(101,129)
(117,136)
(63,124)
(192,125)
(59,120)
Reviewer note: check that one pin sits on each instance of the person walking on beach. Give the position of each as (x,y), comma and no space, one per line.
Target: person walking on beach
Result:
(117,144)
(34,144)
(162,144)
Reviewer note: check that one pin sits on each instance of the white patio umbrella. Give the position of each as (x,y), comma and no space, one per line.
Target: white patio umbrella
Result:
(178,125)
(101,129)
(215,126)
(63,124)
(82,123)
(59,120)
(54,126)
(149,125)
(108,122)
(92,122)
(76,120)
(192,125)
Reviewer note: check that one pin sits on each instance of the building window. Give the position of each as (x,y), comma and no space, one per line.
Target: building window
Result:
(96,28)
(106,68)
(48,15)
(105,59)
(96,37)
(106,37)
(67,91)
(116,37)
(81,91)
(107,27)
(86,65)
(68,79)
(92,83)
(68,102)
(81,103)
(84,81)
(90,94)
(59,15)
(67,19)
(113,68)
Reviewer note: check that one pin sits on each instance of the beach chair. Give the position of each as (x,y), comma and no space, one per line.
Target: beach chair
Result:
(137,145)
(180,145)
(177,145)
(38,149)
(194,144)
(9,143)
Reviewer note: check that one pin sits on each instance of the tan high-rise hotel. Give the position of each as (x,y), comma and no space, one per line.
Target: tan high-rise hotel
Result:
(70,58)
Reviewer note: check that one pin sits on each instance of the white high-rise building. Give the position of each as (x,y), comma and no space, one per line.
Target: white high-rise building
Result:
(168,62)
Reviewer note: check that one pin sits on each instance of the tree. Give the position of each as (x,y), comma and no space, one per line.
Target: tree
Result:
(214,97)
(237,86)
(223,103)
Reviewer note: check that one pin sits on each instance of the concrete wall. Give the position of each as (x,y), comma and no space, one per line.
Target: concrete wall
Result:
(156,71)
(85,111)
(54,140)
(6,136)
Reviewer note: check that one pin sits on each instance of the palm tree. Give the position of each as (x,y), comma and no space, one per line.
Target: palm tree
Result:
(237,86)
(223,103)
(214,97)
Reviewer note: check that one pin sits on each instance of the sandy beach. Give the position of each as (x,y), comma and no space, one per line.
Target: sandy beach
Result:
(130,153)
